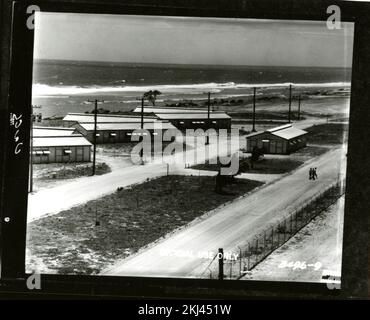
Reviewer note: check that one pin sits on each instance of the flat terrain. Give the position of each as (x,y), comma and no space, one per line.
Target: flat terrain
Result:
(52,174)
(264,166)
(320,241)
(328,133)
(62,197)
(233,224)
(128,220)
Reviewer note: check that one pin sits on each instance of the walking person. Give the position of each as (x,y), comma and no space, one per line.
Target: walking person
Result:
(315,173)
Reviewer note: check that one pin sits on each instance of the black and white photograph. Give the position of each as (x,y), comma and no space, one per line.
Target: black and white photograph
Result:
(188,147)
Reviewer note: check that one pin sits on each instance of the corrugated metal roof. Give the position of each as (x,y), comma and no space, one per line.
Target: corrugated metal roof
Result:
(289,133)
(83,117)
(159,125)
(285,126)
(195,116)
(51,131)
(286,132)
(65,141)
(170,110)
(253,134)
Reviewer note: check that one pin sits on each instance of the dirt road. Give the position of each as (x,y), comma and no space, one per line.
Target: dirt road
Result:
(53,200)
(186,253)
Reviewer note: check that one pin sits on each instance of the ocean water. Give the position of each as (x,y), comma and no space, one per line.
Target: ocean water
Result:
(60,87)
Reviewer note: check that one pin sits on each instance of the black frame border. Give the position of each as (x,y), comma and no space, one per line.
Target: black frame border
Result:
(15,183)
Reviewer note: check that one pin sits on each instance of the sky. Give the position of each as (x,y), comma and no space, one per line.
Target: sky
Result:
(180,40)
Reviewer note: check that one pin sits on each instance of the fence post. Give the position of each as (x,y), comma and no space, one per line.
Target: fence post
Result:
(295,213)
(284,229)
(220,264)
(272,238)
(249,255)
(240,261)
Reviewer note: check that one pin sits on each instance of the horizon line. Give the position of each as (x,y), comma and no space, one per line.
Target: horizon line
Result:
(185,64)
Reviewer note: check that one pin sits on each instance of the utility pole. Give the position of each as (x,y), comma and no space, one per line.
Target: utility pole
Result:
(220,264)
(142,129)
(96,101)
(208,117)
(299,107)
(290,102)
(254,110)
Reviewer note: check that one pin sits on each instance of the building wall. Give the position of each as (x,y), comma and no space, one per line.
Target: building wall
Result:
(104,137)
(276,145)
(183,124)
(107,136)
(297,143)
(58,154)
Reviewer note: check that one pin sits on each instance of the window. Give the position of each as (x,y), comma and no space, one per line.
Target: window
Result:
(67,151)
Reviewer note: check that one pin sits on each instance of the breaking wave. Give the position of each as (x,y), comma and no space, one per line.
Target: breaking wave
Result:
(40,90)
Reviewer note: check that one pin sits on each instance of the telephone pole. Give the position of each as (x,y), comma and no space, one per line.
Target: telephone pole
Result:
(96,101)
(290,102)
(208,116)
(299,107)
(254,110)
(142,129)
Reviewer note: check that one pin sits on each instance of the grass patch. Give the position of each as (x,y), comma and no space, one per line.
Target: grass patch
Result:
(328,133)
(265,166)
(264,116)
(71,243)
(69,171)
(125,148)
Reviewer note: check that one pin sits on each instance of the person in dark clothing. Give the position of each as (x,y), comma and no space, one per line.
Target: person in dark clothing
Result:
(310,174)
(315,173)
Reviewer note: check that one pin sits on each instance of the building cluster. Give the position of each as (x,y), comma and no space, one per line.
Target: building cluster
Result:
(73,142)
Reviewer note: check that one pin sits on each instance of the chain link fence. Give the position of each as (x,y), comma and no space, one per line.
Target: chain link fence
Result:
(254,251)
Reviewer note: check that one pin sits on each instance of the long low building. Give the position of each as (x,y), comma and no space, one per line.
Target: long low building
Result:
(280,140)
(51,131)
(60,149)
(72,118)
(120,131)
(189,118)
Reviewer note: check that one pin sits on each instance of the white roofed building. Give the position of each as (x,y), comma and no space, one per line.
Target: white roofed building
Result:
(48,147)
(51,131)
(121,131)
(72,118)
(280,140)
(190,118)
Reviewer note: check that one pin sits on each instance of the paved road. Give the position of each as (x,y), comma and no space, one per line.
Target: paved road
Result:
(231,225)
(320,241)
